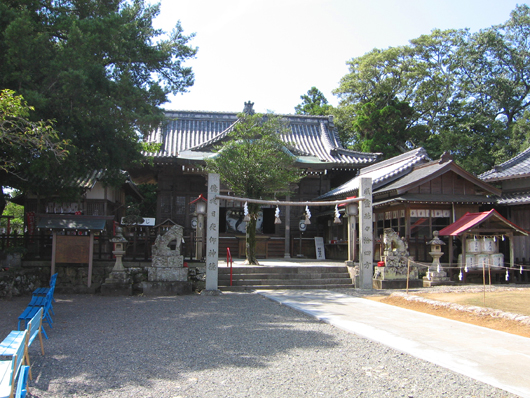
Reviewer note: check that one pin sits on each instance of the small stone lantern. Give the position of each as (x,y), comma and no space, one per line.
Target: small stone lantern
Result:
(118,282)
(435,275)
(436,250)
(120,244)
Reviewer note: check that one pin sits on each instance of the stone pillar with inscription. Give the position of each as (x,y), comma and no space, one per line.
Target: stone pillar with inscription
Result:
(366,255)
(212,235)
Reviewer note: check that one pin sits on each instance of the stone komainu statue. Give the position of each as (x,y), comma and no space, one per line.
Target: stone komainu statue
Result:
(394,245)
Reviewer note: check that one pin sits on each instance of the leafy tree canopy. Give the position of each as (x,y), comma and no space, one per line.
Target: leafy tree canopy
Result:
(313,103)
(255,163)
(25,146)
(98,69)
(464,92)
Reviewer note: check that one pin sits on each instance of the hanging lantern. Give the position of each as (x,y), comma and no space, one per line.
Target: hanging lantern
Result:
(307,216)
(337,215)
(277,216)
(245,211)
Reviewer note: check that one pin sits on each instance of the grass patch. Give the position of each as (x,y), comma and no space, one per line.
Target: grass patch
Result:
(515,301)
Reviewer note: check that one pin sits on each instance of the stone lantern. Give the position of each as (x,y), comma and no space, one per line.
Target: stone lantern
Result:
(119,282)
(435,274)
(200,209)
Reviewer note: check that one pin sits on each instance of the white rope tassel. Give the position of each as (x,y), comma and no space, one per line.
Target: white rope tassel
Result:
(337,215)
(307,215)
(245,212)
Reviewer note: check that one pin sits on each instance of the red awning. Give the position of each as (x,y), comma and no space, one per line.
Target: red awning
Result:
(470,220)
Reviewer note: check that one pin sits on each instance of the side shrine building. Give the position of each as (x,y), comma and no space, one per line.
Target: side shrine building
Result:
(189,137)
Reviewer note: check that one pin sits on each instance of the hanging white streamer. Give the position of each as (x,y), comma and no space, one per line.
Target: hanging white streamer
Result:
(507,274)
(465,269)
(307,212)
(245,209)
(337,214)
(277,213)
(460,276)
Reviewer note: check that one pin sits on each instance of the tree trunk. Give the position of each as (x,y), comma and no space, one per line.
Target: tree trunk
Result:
(251,235)
(3,202)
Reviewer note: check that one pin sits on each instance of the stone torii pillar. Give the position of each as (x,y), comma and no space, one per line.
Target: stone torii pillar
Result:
(366,237)
(212,235)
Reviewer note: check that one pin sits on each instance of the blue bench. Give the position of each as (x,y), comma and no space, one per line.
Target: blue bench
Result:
(34,329)
(36,303)
(13,348)
(22,385)
(43,291)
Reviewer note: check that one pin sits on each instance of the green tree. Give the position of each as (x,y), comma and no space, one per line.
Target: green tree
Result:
(313,103)
(467,90)
(99,69)
(26,146)
(255,163)
(17,222)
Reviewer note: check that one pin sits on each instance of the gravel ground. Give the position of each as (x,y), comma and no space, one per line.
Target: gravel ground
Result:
(232,345)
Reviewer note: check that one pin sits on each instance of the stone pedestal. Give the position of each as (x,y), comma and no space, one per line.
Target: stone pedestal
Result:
(435,278)
(167,275)
(396,258)
(395,276)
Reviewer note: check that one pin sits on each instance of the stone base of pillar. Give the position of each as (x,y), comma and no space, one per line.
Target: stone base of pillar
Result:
(437,279)
(116,289)
(211,293)
(396,284)
(174,288)
(117,284)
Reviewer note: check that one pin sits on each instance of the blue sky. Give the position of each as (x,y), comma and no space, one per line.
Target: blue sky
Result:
(272,51)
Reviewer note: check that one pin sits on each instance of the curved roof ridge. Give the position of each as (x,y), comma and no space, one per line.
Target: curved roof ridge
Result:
(216,138)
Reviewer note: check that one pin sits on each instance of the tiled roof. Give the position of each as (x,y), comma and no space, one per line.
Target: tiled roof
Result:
(312,136)
(516,167)
(382,172)
(399,174)
(512,199)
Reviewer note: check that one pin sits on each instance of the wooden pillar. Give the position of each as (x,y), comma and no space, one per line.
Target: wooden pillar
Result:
(54,251)
(512,251)
(90,258)
(287,250)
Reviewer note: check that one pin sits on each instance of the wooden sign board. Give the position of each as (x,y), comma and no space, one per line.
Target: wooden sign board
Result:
(73,249)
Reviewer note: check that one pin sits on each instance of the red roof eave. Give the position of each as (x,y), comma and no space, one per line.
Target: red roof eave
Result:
(469,220)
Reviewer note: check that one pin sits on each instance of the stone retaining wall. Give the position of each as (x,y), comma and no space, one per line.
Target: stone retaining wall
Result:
(72,278)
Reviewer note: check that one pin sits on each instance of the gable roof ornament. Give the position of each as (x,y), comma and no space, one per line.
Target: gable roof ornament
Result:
(249,108)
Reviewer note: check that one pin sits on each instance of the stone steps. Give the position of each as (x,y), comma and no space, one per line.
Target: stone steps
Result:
(282,277)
